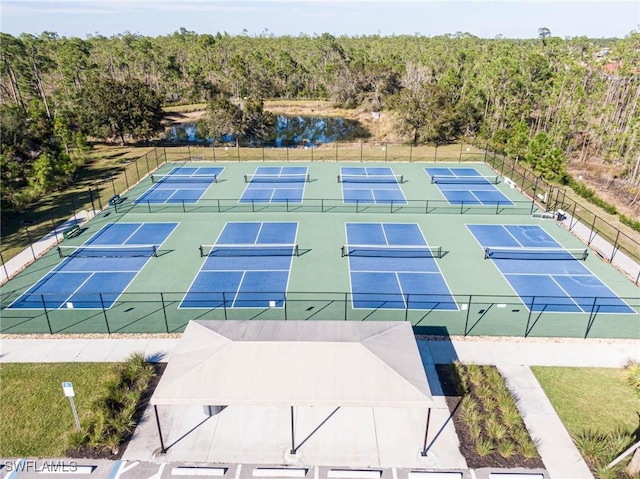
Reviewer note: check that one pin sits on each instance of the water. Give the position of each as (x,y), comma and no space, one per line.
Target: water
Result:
(287,131)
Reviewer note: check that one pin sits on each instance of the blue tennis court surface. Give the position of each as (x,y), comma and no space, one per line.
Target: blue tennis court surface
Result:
(248,267)
(467,186)
(394,278)
(370,185)
(181,185)
(546,279)
(275,184)
(89,279)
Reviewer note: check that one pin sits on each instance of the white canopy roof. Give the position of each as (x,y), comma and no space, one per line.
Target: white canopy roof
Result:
(295,363)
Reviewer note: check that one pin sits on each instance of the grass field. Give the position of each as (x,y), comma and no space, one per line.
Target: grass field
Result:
(34,414)
(598,408)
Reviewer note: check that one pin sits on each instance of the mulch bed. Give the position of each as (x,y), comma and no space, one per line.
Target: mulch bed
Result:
(467,444)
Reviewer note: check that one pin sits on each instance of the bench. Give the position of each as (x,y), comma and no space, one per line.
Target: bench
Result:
(114,200)
(71,232)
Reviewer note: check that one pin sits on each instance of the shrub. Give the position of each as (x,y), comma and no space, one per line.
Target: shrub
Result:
(630,222)
(484,447)
(112,417)
(633,375)
(506,448)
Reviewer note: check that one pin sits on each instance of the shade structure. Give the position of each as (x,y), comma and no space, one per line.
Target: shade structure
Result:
(295,363)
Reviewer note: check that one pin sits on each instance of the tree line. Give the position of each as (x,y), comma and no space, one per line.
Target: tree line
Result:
(540,100)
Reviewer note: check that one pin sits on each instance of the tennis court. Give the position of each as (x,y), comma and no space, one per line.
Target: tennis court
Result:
(180,185)
(93,275)
(546,276)
(392,267)
(371,185)
(467,186)
(247,267)
(275,184)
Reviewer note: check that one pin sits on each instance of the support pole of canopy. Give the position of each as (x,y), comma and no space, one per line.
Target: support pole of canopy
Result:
(423,453)
(293,438)
(162,448)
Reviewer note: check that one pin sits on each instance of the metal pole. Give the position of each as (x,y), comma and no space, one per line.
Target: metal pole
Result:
(435,154)
(406,308)
(410,152)
(346,300)
(113,185)
(4,266)
(460,155)
(162,448)
(137,169)
(224,305)
(73,207)
(293,438)
(466,321)
(30,243)
(361,151)
(189,152)
(75,413)
(533,299)
(93,206)
(285,307)
(386,148)
(336,151)
(615,246)
(213,148)
(423,453)
(46,313)
(164,312)
(104,312)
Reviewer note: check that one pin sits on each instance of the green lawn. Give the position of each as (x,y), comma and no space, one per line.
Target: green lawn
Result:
(596,398)
(34,414)
(599,409)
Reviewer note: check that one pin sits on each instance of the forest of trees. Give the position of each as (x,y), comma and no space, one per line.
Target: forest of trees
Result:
(541,100)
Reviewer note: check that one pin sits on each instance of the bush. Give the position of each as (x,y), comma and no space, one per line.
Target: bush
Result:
(112,417)
(630,222)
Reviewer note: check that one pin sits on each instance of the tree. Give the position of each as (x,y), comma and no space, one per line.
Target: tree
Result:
(241,119)
(113,108)
(543,34)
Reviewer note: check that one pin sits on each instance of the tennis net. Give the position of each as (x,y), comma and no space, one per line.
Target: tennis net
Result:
(536,253)
(266,178)
(250,250)
(184,178)
(467,180)
(108,251)
(392,251)
(370,179)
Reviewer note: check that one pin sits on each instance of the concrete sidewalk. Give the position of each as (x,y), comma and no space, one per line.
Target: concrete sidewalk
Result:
(511,356)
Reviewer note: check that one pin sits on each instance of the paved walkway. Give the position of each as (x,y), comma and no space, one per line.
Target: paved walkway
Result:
(512,357)
(40,247)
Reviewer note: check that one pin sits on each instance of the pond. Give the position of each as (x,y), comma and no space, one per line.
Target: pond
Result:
(287,131)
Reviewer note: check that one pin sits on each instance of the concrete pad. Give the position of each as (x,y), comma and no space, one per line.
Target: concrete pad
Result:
(350,437)
(559,454)
(25,350)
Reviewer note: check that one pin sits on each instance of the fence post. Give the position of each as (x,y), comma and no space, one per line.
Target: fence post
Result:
(137,169)
(386,149)
(164,312)
(466,321)
(410,152)
(155,151)
(224,305)
(146,159)
(93,206)
(263,153)
(149,205)
(189,152)
(104,312)
(30,243)
(113,185)
(46,313)
(346,300)
(126,180)
(526,331)
(336,151)
(485,151)
(361,143)
(406,308)
(213,149)
(435,154)
(238,151)
(615,246)
(460,155)
(4,266)
(285,307)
